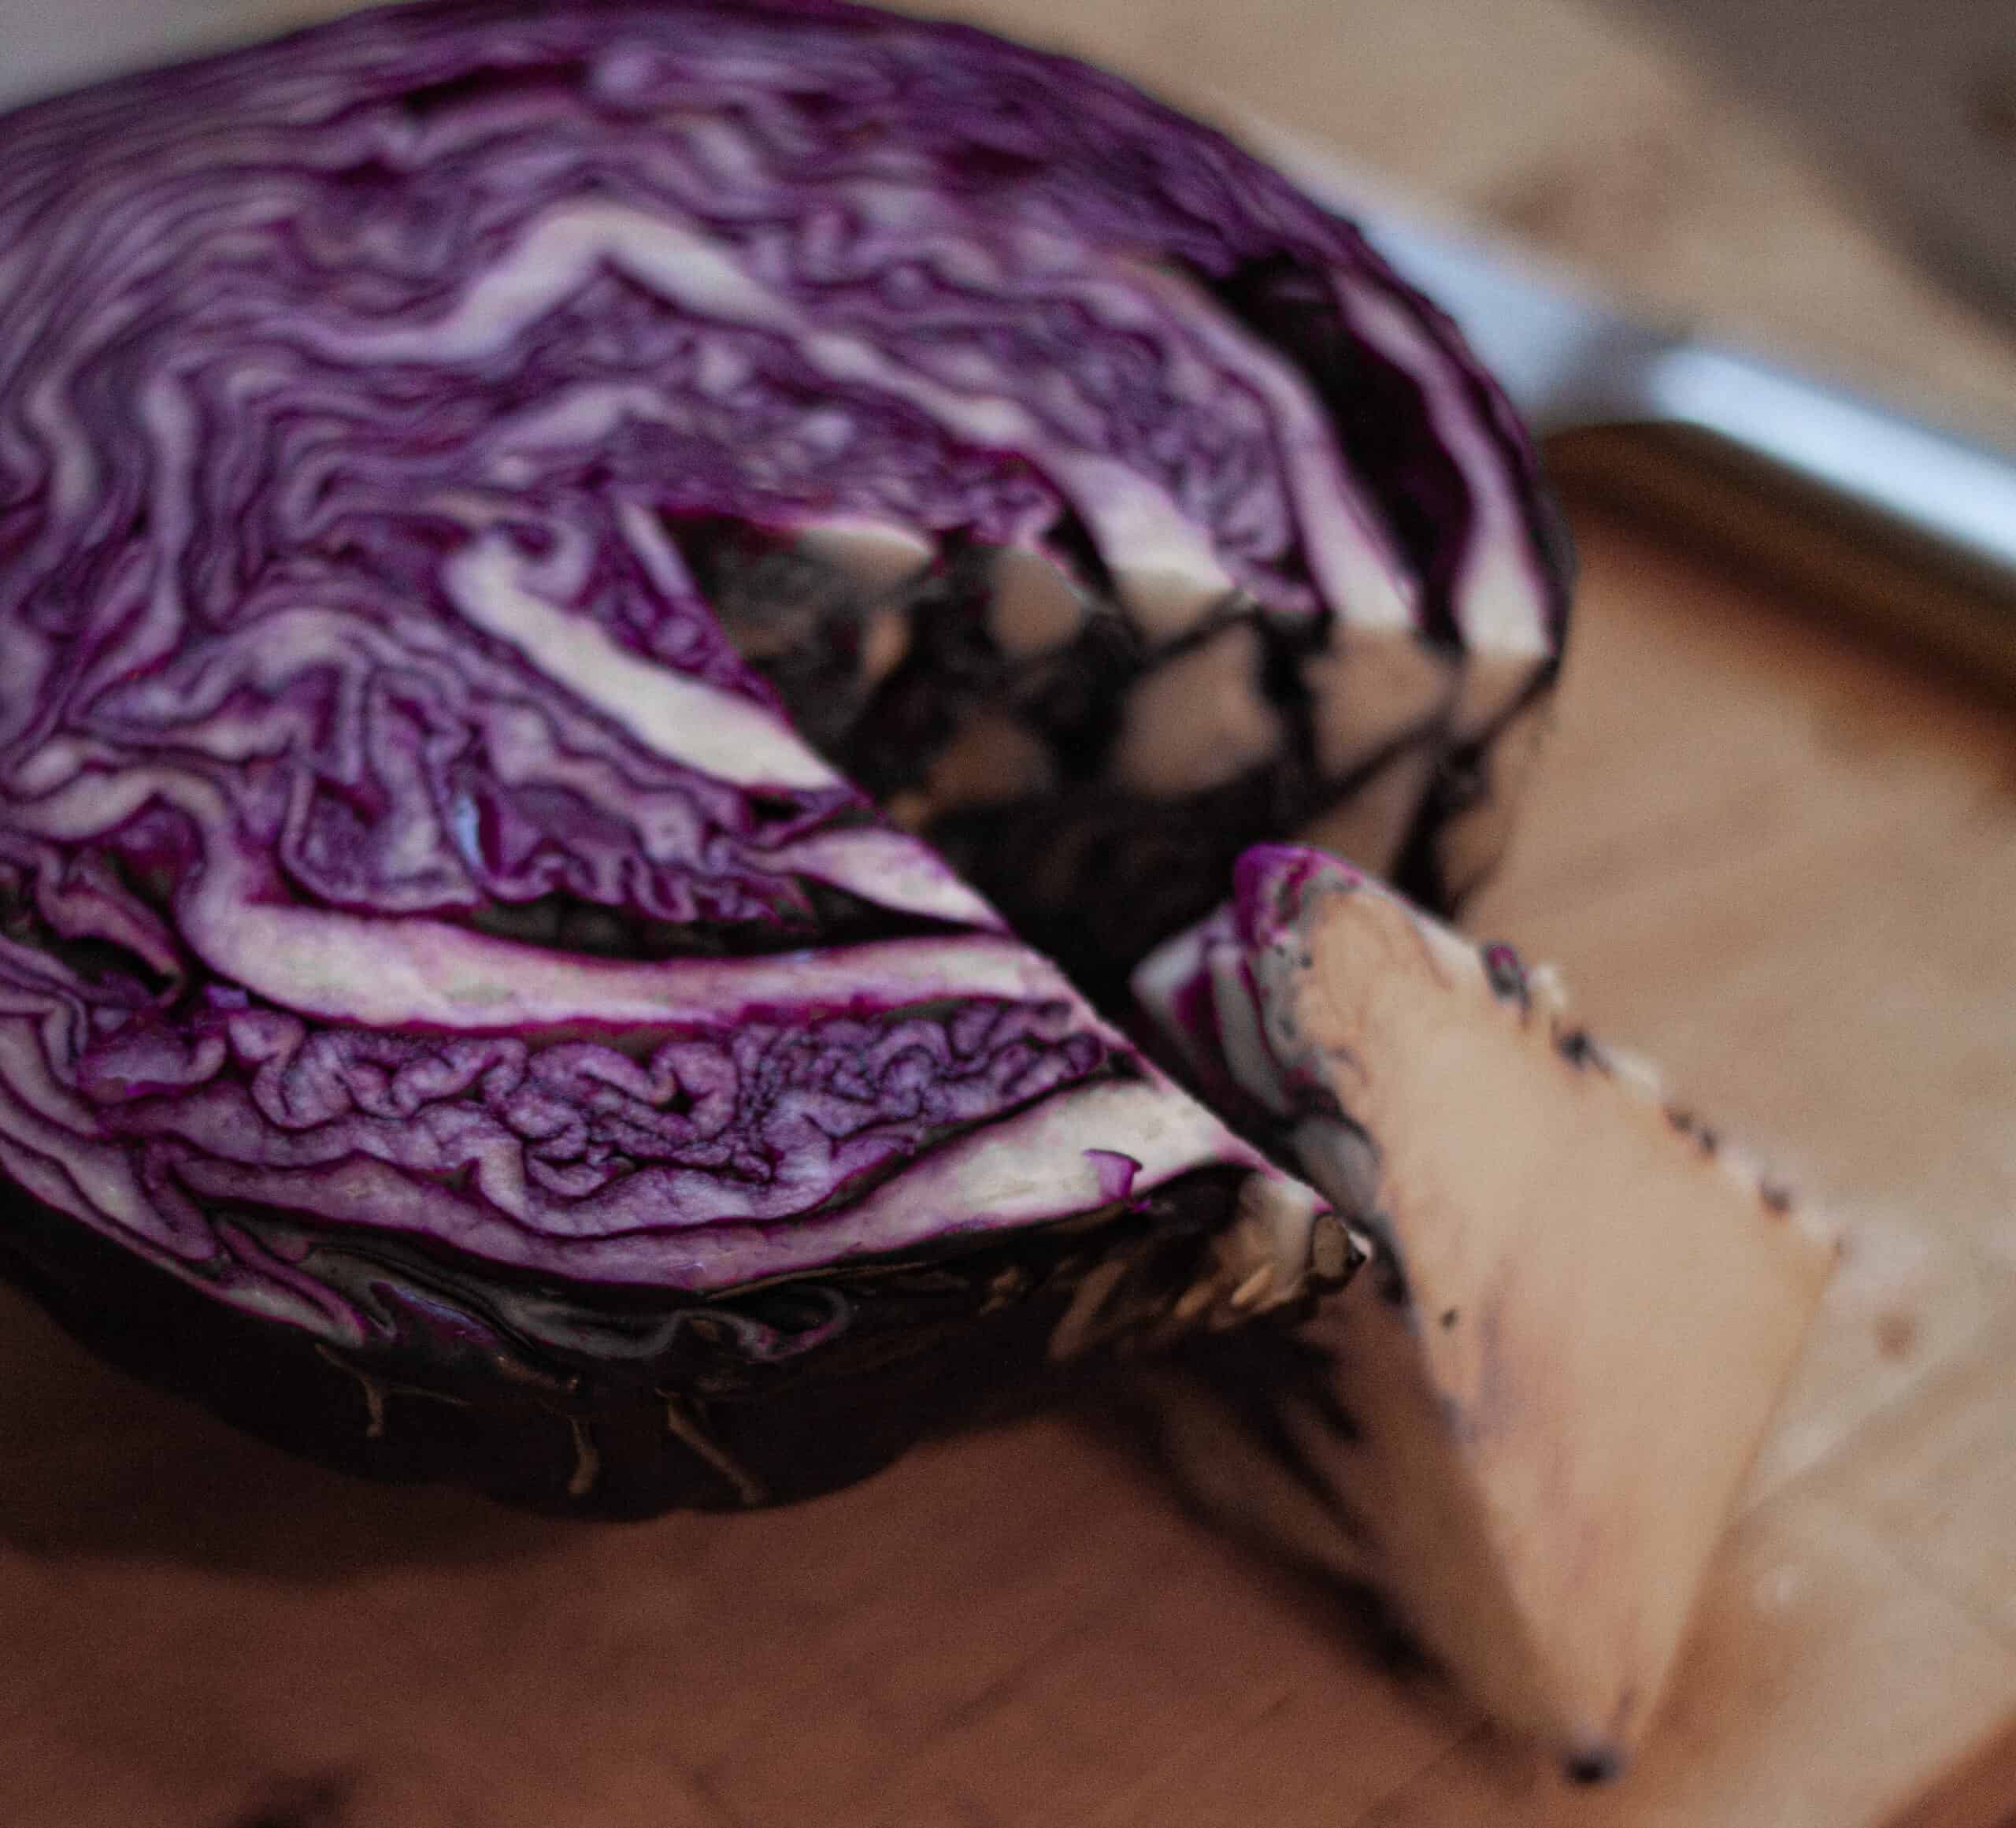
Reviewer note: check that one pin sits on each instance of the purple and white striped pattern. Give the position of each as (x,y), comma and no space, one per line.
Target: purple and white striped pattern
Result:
(354,391)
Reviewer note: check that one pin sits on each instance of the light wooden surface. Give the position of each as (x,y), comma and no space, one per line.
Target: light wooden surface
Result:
(1761,854)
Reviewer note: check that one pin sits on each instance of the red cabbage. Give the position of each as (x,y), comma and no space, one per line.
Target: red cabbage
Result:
(517,525)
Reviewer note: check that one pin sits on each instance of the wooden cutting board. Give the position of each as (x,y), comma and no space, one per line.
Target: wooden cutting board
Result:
(1767,856)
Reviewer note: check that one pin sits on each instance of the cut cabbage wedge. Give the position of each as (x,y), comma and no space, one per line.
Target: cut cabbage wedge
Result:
(1582,1310)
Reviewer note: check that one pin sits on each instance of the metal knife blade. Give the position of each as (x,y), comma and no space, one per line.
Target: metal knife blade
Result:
(1912,526)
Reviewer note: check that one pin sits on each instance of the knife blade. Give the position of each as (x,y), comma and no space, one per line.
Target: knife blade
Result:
(1910,526)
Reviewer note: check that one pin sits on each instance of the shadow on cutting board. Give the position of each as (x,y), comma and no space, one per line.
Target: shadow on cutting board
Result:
(94,1462)
(1245,1434)
(1232,1432)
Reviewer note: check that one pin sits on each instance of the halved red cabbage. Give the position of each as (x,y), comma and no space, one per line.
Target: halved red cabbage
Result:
(491,500)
